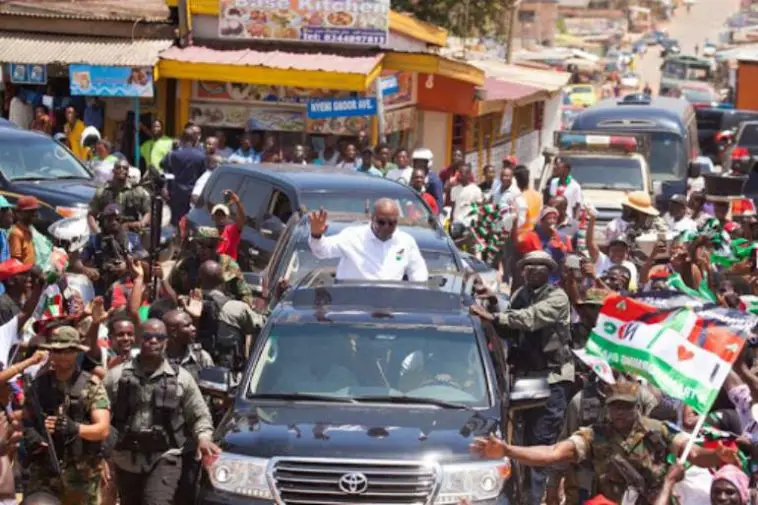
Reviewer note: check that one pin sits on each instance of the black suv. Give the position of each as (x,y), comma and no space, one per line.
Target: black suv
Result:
(272,193)
(292,258)
(743,154)
(32,163)
(712,122)
(363,393)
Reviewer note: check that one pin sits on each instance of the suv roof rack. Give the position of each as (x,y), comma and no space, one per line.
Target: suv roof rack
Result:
(442,293)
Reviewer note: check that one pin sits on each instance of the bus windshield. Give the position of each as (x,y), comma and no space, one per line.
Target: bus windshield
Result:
(667,156)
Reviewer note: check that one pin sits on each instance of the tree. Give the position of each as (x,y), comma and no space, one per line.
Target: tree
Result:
(460,17)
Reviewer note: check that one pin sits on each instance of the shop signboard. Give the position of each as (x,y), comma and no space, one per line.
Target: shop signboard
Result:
(389,85)
(341,107)
(92,80)
(256,93)
(22,73)
(399,120)
(247,117)
(358,22)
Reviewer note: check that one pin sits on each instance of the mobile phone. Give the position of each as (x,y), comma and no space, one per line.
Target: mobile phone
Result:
(227,196)
(573,262)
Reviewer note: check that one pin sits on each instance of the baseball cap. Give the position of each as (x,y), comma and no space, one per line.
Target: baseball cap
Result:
(220,207)
(4,203)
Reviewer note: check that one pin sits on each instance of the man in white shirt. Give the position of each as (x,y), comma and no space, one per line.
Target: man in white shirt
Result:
(677,219)
(404,170)
(376,251)
(562,184)
(467,192)
(211,163)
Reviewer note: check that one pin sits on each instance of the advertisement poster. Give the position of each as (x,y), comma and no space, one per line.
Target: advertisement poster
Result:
(88,80)
(360,22)
(27,74)
(246,117)
(348,126)
(341,107)
(404,93)
(256,93)
(399,120)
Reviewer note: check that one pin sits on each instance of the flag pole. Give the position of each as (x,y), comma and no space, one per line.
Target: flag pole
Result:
(691,441)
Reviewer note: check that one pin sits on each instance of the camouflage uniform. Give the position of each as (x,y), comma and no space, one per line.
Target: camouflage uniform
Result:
(185,275)
(645,448)
(79,482)
(134,201)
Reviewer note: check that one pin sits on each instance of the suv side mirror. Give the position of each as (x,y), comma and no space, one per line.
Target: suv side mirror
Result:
(215,381)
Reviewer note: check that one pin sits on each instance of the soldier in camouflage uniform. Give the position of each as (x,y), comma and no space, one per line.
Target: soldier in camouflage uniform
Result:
(185,273)
(134,201)
(76,409)
(641,442)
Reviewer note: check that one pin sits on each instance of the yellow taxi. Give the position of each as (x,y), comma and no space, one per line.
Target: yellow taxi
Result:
(581,95)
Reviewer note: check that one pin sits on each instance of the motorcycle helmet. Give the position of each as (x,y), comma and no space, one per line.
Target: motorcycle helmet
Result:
(422,153)
(90,137)
(71,233)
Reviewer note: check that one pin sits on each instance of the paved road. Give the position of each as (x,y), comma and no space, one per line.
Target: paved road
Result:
(704,21)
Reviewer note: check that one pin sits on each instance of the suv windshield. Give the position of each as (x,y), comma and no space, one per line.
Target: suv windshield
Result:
(411,206)
(596,172)
(351,361)
(38,158)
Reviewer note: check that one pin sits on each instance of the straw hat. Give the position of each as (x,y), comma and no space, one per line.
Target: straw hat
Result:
(640,201)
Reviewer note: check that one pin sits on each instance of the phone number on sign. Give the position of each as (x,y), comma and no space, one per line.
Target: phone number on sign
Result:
(366,37)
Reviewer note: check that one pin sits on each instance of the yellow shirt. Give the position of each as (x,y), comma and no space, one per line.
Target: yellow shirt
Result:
(75,140)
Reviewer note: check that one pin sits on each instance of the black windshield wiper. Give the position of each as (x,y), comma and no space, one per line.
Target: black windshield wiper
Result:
(31,178)
(300,396)
(413,399)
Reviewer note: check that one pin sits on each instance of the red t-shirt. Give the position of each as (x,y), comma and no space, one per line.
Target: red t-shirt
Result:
(230,241)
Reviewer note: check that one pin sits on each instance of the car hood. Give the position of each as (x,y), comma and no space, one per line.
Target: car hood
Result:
(605,198)
(58,192)
(360,431)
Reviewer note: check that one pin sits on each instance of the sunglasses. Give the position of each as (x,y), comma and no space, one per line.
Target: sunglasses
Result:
(157,336)
(386,222)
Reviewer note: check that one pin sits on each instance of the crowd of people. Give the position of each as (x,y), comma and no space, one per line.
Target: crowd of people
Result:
(111,384)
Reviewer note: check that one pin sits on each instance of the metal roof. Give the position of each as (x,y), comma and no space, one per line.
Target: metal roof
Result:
(548,80)
(146,11)
(49,49)
(275,59)
(499,89)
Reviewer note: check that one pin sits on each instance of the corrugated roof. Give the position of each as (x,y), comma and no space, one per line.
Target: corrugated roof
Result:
(582,4)
(274,59)
(548,80)
(498,89)
(112,10)
(48,49)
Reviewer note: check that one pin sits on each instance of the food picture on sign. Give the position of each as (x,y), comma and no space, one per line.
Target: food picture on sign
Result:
(138,77)
(340,19)
(232,28)
(83,80)
(212,89)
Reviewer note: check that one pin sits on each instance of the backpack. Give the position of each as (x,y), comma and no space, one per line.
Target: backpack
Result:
(207,332)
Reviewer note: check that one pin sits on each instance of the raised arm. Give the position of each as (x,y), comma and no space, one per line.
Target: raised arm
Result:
(323,247)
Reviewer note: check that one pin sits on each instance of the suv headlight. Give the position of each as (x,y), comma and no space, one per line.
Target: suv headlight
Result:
(242,475)
(474,481)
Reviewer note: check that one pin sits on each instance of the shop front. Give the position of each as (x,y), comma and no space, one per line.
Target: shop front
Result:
(108,82)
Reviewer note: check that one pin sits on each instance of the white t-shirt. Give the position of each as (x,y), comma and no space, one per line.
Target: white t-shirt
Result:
(573,194)
(604,263)
(400,174)
(684,224)
(364,257)
(615,228)
(506,197)
(9,337)
(462,198)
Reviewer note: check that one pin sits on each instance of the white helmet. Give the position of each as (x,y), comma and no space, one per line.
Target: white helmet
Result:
(422,153)
(90,137)
(71,233)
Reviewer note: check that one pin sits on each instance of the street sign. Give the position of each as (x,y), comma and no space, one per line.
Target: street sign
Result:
(22,73)
(89,80)
(342,107)
(389,85)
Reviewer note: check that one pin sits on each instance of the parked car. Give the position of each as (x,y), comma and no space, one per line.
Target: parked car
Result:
(716,127)
(273,193)
(582,95)
(32,163)
(709,50)
(366,393)
(700,95)
(743,154)
(292,258)
(669,47)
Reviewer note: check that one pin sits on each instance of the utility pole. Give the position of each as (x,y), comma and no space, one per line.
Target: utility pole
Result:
(511,26)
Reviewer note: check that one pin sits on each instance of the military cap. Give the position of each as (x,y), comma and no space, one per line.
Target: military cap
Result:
(626,391)
(64,337)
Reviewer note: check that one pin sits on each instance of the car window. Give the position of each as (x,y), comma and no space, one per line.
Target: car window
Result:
(36,157)
(354,360)
(280,206)
(215,194)
(255,195)
(748,135)
(411,206)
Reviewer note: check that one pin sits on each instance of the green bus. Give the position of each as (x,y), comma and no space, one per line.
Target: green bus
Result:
(679,69)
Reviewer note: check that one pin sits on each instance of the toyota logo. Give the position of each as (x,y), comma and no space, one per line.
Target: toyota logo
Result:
(353,483)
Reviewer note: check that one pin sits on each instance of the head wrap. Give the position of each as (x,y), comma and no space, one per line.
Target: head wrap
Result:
(735,477)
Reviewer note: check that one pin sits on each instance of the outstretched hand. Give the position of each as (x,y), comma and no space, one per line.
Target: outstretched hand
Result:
(318,221)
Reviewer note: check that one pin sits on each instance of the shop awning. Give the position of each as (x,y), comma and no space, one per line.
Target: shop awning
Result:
(427,63)
(271,67)
(503,90)
(547,80)
(66,50)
